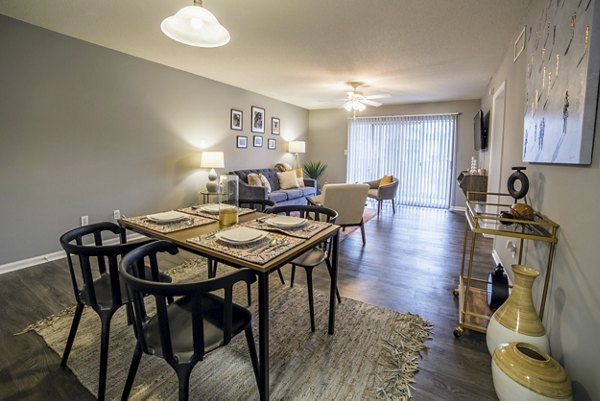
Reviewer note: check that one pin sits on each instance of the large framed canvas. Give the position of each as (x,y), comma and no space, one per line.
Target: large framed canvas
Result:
(562,83)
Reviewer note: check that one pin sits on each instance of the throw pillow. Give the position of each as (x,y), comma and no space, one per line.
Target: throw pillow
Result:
(265,183)
(254,180)
(387,179)
(300,177)
(287,179)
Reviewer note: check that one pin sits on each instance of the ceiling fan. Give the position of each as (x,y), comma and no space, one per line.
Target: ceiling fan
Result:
(357,101)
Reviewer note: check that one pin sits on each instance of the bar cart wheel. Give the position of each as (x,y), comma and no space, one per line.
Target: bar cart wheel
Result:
(458,332)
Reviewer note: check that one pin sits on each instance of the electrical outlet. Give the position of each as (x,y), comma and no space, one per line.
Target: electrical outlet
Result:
(116,214)
(84,220)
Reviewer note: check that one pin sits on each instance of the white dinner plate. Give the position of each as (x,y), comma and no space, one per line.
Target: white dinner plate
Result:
(212,208)
(286,221)
(241,235)
(167,217)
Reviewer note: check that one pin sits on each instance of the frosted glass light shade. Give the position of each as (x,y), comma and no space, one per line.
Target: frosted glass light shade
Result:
(297,147)
(195,26)
(212,160)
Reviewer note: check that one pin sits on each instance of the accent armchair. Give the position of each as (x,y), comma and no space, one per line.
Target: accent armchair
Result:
(383,192)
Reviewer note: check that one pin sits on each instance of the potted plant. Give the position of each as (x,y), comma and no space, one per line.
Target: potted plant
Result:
(314,170)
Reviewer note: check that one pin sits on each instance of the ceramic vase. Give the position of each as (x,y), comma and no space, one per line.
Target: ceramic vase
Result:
(517,319)
(524,372)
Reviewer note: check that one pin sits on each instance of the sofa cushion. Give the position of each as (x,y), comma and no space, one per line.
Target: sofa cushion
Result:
(264,182)
(294,193)
(308,191)
(254,180)
(287,179)
(278,196)
(300,177)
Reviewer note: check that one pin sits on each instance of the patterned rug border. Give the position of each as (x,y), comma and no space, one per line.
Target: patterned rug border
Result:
(397,361)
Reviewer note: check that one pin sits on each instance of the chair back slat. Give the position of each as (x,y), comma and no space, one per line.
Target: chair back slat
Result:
(194,294)
(93,254)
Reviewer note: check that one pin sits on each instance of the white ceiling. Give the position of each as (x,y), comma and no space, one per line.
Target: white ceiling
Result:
(302,52)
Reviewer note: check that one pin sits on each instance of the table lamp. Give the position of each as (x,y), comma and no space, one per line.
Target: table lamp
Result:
(212,160)
(297,147)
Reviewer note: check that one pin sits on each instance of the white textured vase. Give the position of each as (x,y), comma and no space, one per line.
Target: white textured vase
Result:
(517,319)
(524,372)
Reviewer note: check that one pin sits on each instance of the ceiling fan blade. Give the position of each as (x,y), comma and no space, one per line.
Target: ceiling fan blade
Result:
(370,102)
(380,96)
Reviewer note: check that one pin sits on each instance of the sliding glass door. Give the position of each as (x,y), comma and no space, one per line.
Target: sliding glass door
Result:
(418,150)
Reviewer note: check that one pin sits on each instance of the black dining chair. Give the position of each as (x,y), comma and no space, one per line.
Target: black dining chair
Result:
(315,256)
(196,323)
(96,282)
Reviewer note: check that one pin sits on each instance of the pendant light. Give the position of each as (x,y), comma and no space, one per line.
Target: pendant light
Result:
(195,26)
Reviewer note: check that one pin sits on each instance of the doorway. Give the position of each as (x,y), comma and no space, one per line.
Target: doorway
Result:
(496,144)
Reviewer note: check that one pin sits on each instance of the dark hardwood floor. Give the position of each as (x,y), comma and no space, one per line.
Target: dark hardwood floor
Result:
(410,264)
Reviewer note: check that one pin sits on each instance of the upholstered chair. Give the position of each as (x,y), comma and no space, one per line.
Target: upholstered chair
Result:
(381,192)
(348,200)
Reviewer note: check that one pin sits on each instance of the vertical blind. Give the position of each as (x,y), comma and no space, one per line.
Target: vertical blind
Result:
(418,150)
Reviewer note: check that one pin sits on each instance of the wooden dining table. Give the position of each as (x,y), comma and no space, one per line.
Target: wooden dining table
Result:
(262,271)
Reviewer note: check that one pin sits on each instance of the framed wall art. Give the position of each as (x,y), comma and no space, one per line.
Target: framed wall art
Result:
(272,144)
(242,142)
(562,83)
(236,120)
(258,119)
(274,126)
(258,141)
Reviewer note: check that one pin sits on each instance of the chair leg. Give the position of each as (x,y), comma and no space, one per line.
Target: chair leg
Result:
(379,207)
(280,276)
(104,337)
(249,288)
(393,206)
(183,374)
(252,349)
(135,362)
(72,332)
(362,231)
(337,291)
(293,276)
(311,305)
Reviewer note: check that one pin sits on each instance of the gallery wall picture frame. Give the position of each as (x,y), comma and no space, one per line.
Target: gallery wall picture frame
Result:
(257,119)
(237,120)
(258,141)
(275,125)
(272,144)
(242,142)
(561,83)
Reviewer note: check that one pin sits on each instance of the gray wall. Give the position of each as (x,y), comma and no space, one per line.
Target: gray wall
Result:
(570,196)
(328,136)
(85,130)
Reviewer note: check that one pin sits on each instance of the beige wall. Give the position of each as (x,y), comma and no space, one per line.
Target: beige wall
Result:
(86,130)
(569,195)
(328,131)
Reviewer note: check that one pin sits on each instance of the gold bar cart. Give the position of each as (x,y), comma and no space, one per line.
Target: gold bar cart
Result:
(483,217)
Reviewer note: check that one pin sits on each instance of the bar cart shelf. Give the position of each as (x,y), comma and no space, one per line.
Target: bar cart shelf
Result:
(482,217)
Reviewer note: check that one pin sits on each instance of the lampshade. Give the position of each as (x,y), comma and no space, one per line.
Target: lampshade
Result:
(212,160)
(195,26)
(297,147)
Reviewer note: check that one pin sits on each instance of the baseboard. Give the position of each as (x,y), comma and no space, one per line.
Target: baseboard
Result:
(458,208)
(496,257)
(49,257)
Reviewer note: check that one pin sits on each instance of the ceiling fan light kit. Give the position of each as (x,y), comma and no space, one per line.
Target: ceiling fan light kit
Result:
(195,26)
(357,101)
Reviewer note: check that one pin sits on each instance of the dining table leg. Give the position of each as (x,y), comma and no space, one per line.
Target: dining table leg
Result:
(263,334)
(333,287)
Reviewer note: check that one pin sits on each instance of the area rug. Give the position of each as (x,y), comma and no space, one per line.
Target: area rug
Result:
(374,353)
(368,215)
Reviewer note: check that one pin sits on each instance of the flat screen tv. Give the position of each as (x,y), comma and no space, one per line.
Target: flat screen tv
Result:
(480,130)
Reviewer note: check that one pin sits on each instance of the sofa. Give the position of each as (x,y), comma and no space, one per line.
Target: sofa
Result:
(293,196)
